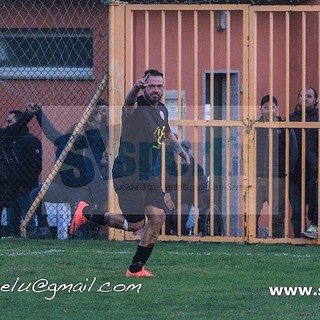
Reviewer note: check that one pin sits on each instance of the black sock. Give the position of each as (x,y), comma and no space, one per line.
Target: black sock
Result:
(94,215)
(140,258)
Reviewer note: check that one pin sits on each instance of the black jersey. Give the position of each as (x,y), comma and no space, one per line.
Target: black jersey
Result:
(141,136)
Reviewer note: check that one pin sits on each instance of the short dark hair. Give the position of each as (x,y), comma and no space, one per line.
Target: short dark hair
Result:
(266,98)
(153,72)
(17,114)
(310,88)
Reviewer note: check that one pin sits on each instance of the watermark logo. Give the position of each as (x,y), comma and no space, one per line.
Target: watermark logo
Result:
(51,289)
(294,291)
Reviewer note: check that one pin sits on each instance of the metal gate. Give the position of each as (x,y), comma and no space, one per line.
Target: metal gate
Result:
(218,61)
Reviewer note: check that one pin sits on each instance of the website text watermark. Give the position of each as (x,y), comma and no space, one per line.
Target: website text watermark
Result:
(51,289)
(294,291)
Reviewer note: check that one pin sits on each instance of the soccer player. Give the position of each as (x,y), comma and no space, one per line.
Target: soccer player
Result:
(144,127)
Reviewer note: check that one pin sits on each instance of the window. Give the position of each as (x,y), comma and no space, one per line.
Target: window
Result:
(46,53)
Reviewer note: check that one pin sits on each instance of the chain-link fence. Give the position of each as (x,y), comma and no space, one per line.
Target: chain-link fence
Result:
(54,59)
(53,54)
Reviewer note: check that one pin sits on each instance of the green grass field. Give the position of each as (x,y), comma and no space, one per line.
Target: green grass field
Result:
(42,279)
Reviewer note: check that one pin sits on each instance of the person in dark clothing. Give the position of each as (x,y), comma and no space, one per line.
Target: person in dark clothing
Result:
(99,120)
(79,178)
(144,127)
(8,133)
(296,178)
(312,158)
(278,169)
(187,188)
(312,149)
(22,156)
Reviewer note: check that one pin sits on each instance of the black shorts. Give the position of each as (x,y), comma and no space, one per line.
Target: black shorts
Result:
(135,195)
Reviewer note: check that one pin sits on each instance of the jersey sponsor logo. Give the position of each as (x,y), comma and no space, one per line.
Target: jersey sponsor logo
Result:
(159,134)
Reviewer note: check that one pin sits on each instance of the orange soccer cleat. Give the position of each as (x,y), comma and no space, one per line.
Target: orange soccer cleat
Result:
(78,218)
(142,273)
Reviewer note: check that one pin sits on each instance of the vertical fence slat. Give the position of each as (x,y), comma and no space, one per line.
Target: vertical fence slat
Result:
(287,87)
(196,112)
(270,180)
(249,151)
(179,76)
(147,39)
(212,107)
(163,68)
(228,110)
(303,130)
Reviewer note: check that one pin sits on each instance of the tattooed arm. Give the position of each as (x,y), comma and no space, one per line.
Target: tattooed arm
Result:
(171,138)
(130,101)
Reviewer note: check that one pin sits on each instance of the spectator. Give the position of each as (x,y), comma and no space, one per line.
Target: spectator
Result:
(80,177)
(278,169)
(22,156)
(311,114)
(99,120)
(312,158)
(187,188)
(9,132)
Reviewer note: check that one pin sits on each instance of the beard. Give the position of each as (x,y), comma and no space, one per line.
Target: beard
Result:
(153,98)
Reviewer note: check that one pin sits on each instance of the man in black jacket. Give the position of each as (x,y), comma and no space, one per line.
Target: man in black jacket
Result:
(6,134)
(312,158)
(22,157)
(311,114)
(278,169)
(312,149)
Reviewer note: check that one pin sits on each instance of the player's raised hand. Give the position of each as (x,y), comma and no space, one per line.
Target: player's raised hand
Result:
(141,83)
(32,108)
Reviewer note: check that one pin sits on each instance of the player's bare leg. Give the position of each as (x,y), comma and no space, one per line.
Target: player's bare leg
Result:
(150,234)
(118,221)
(83,214)
(151,231)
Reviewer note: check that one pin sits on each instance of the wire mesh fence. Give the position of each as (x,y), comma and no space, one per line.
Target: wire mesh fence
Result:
(54,114)
(53,59)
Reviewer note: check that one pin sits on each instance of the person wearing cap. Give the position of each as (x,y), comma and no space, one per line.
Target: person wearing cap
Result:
(310,175)
(269,107)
